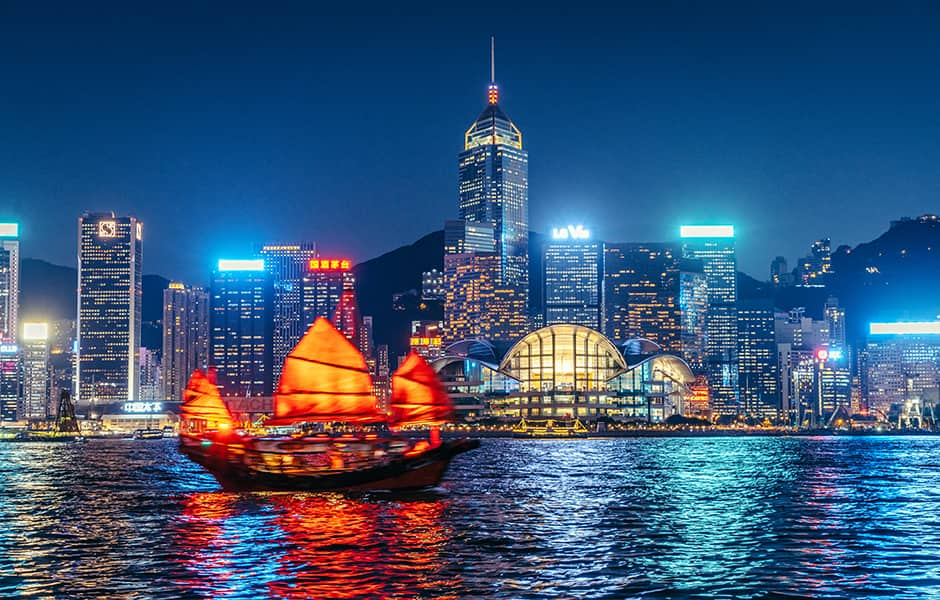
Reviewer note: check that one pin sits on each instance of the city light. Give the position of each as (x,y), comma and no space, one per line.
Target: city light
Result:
(9,349)
(822,354)
(9,230)
(328,264)
(176,286)
(905,328)
(241,265)
(35,331)
(574,232)
(706,231)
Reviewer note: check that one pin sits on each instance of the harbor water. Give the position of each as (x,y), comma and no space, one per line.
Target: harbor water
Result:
(599,518)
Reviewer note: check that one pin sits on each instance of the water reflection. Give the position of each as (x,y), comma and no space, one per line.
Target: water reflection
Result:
(729,517)
(313,546)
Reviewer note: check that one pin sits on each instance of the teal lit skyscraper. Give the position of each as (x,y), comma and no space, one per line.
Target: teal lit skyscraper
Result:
(494,192)
(713,245)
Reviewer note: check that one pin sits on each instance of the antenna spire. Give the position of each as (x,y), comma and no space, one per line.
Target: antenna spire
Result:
(492,59)
(492,94)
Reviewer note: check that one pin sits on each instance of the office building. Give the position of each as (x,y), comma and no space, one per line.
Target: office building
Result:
(9,281)
(323,286)
(835,319)
(757,360)
(34,349)
(9,381)
(241,325)
(477,305)
(287,265)
(185,337)
(493,192)
(573,277)
(109,306)
(151,389)
(903,363)
(432,285)
(426,338)
(642,287)
(713,245)
(693,313)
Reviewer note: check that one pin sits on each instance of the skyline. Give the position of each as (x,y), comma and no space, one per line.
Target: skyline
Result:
(296,116)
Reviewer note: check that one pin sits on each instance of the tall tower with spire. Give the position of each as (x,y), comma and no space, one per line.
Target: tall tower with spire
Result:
(493,192)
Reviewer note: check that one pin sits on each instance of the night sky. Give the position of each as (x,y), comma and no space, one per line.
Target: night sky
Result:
(227,125)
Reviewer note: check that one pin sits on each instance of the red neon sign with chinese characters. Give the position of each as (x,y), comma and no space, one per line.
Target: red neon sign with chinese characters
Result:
(329,264)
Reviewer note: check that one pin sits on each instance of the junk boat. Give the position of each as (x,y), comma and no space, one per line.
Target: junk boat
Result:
(339,439)
(550,428)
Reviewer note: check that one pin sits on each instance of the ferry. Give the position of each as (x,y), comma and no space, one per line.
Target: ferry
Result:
(338,438)
(550,428)
(148,434)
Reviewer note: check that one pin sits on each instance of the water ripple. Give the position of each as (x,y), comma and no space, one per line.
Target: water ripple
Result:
(651,518)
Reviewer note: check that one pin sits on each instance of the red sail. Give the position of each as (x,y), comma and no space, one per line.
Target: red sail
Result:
(418,398)
(201,400)
(325,379)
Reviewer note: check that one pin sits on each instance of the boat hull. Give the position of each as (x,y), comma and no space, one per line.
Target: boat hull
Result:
(407,473)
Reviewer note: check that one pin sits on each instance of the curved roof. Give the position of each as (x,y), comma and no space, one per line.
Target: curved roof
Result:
(476,349)
(555,352)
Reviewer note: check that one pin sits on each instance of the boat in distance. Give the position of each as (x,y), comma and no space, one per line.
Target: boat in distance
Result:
(550,428)
(338,440)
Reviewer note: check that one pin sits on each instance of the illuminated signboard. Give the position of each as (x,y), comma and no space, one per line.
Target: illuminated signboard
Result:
(706,231)
(328,264)
(143,408)
(425,341)
(241,265)
(9,229)
(140,230)
(905,328)
(8,349)
(176,286)
(573,232)
(35,331)
(107,229)
(827,354)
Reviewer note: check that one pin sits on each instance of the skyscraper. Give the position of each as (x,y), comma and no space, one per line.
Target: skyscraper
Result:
(109,305)
(9,381)
(757,359)
(477,305)
(713,245)
(642,293)
(9,280)
(574,280)
(185,336)
(240,324)
(287,265)
(493,191)
(34,346)
(324,281)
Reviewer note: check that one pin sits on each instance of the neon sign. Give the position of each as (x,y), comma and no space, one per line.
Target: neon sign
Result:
(35,331)
(706,231)
(328,264)
(9,229)
(574,232)
(241,265)
(8,349)
(143,407)
(905,328)
(107,229)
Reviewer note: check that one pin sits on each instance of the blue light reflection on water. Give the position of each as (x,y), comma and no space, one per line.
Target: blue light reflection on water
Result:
(736,517)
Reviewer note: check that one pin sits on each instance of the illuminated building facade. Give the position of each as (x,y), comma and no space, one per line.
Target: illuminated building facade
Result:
(466,236)
(693,313)
(757,360)
(426,339)
(477,304)
(323,286)
(9,281)
(34,347)
(9,381)
(903,362)
(241,325)
(110,290)
(493,193)
(432,285)
(287,265)
(185,336)
(573,276)
(562,371)
(150,375)
(713,245)
(642,286)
